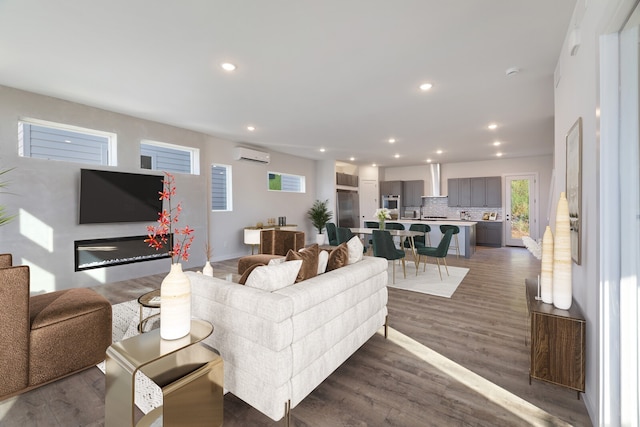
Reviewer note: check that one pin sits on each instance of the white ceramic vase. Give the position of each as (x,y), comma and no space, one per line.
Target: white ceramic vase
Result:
(546,275)
(562,292)
(207,270)
(175,304)
(320,239)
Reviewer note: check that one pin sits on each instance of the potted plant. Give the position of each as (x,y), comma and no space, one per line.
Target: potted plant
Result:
(319,215)
(4,217)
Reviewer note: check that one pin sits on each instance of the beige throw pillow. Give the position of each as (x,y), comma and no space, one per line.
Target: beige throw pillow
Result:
(273,277)
(323,259)
(355,249)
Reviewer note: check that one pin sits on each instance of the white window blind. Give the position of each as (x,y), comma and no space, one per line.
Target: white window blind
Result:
(221,188)
(168,157)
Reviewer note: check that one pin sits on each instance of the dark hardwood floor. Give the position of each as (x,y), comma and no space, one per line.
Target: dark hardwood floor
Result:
(462,361)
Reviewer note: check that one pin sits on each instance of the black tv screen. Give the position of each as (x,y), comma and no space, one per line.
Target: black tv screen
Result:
(107,197)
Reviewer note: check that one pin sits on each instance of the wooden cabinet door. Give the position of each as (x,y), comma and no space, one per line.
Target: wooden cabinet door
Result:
(453,199)
(464,192)
(493,192)
(478,190)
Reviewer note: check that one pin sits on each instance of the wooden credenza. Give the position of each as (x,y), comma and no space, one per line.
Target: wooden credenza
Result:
(557,342)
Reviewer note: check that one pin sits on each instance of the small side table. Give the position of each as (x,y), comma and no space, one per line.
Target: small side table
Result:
(190,375)
(148,300)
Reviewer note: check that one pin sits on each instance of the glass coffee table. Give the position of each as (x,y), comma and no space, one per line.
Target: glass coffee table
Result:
(150,300)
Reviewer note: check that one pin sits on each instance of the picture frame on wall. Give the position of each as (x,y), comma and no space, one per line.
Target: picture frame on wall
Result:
(574,187)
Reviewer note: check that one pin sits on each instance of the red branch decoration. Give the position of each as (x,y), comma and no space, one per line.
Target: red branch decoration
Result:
(158,234)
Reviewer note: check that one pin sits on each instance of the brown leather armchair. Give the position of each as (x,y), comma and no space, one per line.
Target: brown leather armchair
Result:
(46,337)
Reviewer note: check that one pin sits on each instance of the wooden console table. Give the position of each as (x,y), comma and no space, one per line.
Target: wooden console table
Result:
(557,342)
(190,375)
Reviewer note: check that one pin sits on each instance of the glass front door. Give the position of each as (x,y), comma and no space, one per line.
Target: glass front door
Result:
(519,221)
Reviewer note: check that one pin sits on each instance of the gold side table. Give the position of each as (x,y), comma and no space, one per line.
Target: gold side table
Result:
(189,374)
(150,300)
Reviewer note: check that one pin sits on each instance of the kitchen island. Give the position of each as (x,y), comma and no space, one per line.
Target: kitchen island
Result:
(466,237)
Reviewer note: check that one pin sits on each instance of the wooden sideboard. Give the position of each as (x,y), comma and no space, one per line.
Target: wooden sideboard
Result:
(557,342)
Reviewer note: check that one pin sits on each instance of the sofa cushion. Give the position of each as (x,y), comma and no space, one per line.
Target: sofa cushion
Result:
(247,272)
(273,277)
(356,249)
(309,257)
(339,257)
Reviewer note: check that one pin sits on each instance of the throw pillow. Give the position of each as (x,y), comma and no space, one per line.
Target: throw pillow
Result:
(355,249)
(247,272)
(339,257)
(273,277)
(276,261)
(309,257)
(323,259)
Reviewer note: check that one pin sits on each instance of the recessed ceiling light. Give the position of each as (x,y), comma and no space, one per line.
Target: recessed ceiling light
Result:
(425,86)
(496,143)
(228,66)
(499,154)
(439,152)
(352,159)
(428,160)
(251,128)
(374,165)
(397,156)
(392,140)
(493,126)
(322,150)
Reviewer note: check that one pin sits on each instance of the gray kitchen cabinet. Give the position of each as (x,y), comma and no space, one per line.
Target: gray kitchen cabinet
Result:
(346,179)
(391,187)
(489,233)
(459,190)
(412,193)
(486,192)
(475,192)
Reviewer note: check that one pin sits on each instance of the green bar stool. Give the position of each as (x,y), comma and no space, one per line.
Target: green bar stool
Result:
(456,231)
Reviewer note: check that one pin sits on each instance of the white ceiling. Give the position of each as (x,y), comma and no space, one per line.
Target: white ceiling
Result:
(337,74)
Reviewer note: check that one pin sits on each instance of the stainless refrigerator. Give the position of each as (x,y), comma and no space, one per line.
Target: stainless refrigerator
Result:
(347,209)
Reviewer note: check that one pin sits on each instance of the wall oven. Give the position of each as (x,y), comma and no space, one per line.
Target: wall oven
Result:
(391,201)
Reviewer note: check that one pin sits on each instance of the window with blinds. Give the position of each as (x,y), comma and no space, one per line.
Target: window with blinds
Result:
(221,188)
(285,182)
(166,157)
(55,141)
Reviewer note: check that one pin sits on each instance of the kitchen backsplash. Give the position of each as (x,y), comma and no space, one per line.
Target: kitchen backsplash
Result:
(437,206)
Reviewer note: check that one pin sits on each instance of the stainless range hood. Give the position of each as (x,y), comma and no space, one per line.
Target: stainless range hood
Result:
(434,185)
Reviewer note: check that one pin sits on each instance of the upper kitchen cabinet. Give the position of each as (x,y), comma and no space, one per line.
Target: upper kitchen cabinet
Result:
(412,193)
(475,192)
(391,187)
(346,179)
(486,192)
(459,190)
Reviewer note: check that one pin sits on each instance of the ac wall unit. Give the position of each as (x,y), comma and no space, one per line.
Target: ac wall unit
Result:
(242,153)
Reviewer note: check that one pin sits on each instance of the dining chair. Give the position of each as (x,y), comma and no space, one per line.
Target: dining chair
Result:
(344,235)
(393,226)
(419,241)
(371,224)
(456,231)
(332,233)
(439,252)
(384,247)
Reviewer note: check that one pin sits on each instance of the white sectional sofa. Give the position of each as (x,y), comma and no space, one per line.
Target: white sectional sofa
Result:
(278,346)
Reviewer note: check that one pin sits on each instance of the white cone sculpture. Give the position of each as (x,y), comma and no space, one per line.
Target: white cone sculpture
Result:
(546,276)
(562,296)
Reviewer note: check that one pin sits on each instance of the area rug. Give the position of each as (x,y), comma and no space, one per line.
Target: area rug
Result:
(126,317)
(428,282)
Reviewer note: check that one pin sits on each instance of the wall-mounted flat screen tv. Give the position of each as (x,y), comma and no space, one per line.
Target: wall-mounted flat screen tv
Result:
(107,197)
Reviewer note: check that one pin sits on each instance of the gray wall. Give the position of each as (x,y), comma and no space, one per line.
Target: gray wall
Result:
(45,194)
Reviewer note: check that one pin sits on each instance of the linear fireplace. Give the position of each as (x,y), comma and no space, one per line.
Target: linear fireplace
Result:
(98,253)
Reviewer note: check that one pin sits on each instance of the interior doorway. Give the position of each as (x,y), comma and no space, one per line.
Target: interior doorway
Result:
(520,208)
(369,200)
